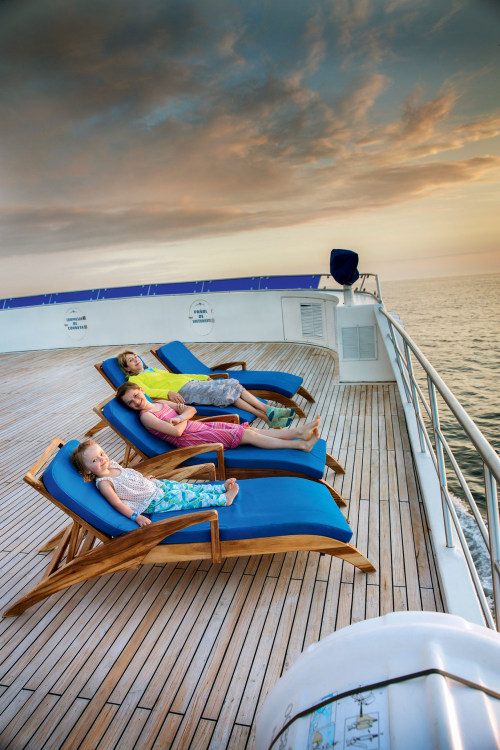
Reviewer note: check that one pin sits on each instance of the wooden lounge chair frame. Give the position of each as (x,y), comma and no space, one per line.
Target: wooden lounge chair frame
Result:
(267,395)
(133,453)
(82,552)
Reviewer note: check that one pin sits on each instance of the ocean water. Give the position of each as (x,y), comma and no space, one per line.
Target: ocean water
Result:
(456,324)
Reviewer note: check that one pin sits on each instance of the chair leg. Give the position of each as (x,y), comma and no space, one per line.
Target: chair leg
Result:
(52,543)
(332,463)
(121,553)
(96,428)
(59,551)
(305,394)
(352,555)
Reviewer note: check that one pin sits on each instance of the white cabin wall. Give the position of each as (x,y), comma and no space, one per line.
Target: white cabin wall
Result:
(224,316)
(362,370)
(228,316)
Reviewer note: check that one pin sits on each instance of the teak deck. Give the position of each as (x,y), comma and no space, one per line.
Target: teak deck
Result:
(182,655)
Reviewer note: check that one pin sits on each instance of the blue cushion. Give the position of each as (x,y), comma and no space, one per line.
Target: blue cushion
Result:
(271,506)
(274,506)
(113,371)
(128,423)
(67,486)
(178,358)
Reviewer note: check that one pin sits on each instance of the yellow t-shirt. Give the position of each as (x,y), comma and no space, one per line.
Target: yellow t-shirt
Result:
(158,383)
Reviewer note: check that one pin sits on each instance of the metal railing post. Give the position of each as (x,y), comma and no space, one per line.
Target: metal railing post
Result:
(398,360)
(416,403)
(494,529)
(441,466)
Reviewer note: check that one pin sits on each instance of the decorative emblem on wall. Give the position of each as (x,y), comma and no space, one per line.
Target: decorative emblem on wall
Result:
(75,323)
(201,316)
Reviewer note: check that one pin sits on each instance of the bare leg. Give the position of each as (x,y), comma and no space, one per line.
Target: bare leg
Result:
(259,411)
(263,439)
(253,400)
(303,432)
(231,490)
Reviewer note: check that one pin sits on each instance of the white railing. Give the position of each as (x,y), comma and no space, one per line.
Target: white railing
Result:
(444,460)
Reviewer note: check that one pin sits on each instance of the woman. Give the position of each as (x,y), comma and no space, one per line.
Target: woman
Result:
(198,389)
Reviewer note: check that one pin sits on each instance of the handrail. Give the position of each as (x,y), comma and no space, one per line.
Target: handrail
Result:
(488,454)
(491,461)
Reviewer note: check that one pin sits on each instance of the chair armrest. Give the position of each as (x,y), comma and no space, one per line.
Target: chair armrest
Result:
(172,460)
(227,365)
(177,523)
(218,376)
(100,406)
(182,474)
(206,472)
(231,418)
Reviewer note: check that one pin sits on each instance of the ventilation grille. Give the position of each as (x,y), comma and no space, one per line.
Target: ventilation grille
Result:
(359,342)
(311,318)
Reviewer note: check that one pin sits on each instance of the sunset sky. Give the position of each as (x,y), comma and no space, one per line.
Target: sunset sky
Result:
(164,140)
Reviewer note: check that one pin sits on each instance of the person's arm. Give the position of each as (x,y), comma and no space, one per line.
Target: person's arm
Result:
(176,398)
(184,411)
(174,427)
(108,491)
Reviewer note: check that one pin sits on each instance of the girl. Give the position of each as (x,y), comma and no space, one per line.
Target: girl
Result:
(199,389)
(172,422)
(132,494)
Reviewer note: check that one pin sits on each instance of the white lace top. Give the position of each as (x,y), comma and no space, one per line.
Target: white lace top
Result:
(134,489)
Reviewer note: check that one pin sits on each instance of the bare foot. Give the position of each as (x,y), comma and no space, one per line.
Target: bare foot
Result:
(308,429)
(311,442)
(232,490)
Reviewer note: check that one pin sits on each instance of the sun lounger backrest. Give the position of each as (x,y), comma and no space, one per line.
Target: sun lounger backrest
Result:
(114,372)
(128,423)
(83,498)
(178,358)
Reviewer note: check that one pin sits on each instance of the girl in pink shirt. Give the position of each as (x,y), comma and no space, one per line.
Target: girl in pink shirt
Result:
(172,422)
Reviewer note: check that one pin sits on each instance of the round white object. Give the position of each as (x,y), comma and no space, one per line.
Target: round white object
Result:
(373,666)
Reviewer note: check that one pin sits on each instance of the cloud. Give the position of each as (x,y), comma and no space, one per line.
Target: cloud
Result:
(457,5)
(169,121)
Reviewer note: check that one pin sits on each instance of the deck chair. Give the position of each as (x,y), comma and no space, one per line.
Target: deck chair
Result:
(267,384)
(243,462)
(269,515)
(113,374)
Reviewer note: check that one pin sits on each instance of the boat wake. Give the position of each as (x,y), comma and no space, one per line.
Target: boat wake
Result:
(477,547)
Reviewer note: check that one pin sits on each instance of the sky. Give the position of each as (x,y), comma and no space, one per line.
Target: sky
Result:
(147,141)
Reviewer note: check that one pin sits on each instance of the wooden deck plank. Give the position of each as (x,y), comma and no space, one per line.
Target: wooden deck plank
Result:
(223,704)
(184,655)
(53,731)
(274,667)
(268,641)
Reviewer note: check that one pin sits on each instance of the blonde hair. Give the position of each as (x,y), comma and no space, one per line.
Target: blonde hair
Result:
(122,360)
(76,459)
